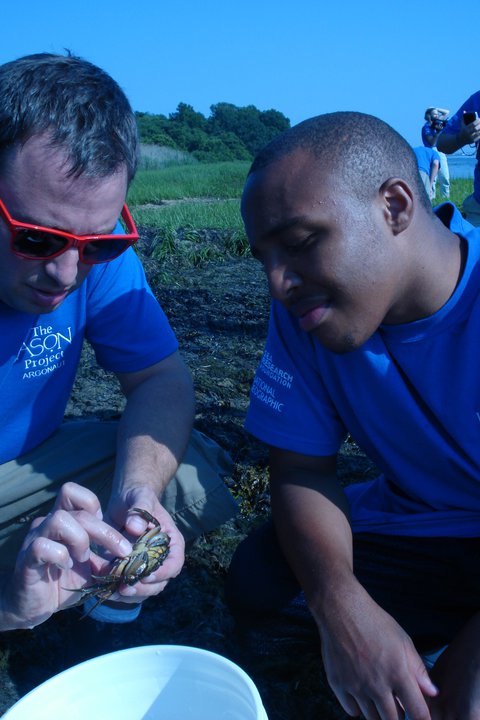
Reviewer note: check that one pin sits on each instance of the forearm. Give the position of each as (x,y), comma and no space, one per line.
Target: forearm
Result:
(451,142)
(154,432)
(311,518)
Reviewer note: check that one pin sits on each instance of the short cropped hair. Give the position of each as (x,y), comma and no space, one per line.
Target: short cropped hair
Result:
(361,148)
(79,107)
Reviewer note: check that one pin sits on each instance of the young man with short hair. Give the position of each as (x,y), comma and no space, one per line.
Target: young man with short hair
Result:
(374,331)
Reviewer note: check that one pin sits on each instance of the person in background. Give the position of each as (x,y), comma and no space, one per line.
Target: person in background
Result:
(462,129)
(435,119)
(374,333)
(68,272)
(428,161)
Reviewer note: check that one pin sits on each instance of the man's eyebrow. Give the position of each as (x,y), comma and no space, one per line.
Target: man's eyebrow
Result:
(285,225)
(34,221)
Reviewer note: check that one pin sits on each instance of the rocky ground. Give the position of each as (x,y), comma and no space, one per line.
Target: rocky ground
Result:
(219,310)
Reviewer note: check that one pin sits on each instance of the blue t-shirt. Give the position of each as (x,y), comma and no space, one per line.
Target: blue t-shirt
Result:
(410,396)
(425,157)
(454,125)
(114,309)
(429,135)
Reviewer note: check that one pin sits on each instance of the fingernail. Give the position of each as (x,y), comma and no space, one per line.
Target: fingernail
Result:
(129,591)
(125,547)
(99,514)
(135,523)
(66,565)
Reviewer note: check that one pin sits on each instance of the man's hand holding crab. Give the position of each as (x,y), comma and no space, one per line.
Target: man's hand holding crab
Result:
(124,513)
(55,566)
(56,558)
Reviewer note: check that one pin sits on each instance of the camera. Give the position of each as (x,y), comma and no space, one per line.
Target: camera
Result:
(438,125)
(469,117)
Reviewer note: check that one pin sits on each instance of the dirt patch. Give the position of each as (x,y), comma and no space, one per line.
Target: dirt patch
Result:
(179,201)
(219,311)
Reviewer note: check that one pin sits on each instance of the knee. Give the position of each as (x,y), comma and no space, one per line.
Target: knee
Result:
(241,583)
(259,578)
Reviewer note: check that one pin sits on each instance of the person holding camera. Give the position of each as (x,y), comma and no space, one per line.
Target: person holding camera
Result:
(435,121)
(462,129)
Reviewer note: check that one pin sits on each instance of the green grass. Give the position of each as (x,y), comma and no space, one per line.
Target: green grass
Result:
(174,182)
(186,220)
(201,197)
(217,215)
(459,189)
(205,197)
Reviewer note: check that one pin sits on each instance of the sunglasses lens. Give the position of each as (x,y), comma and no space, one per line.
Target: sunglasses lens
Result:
(98,251)
(37,244)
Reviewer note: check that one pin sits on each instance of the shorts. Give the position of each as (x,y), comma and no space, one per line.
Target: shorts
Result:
(431,586)
(426,183)
(84,452)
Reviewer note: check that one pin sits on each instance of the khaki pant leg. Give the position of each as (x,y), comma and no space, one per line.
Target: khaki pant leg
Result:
(84,452)
(426,183)
(197,497)
(81,452)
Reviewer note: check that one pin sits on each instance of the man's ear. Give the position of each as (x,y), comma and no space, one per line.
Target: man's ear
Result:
(398,204)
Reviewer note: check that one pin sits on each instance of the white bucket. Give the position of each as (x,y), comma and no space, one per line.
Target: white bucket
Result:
(154,682)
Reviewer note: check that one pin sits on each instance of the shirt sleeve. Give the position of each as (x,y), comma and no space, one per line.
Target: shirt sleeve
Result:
(289,405)
(125,324)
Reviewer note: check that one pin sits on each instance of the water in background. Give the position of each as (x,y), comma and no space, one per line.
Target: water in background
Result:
(462,166)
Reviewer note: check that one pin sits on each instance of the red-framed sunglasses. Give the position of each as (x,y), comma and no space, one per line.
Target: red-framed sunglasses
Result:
(35,242)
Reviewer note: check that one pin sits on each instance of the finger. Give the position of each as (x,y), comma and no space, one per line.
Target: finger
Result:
(390,708)
(414,703)
(370,712)
(136,523)
(104,535)
(426,685)
(61,527)
(43,551)
(349,704)
(142,590)
(78,529)
(161,575)
(76,497)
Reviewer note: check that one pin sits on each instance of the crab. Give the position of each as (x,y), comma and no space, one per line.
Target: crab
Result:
(148,553)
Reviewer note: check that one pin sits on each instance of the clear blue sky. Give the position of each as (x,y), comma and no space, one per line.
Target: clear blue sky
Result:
(391,58)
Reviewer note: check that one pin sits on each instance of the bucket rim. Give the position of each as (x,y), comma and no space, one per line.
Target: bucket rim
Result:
(155,648)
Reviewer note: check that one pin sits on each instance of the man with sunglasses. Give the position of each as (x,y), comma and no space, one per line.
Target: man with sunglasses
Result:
(68,151)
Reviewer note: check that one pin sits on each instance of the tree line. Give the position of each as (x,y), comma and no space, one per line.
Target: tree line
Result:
(229,133)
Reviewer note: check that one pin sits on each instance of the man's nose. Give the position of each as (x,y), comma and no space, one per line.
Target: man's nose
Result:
(282,280)
(64,268)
